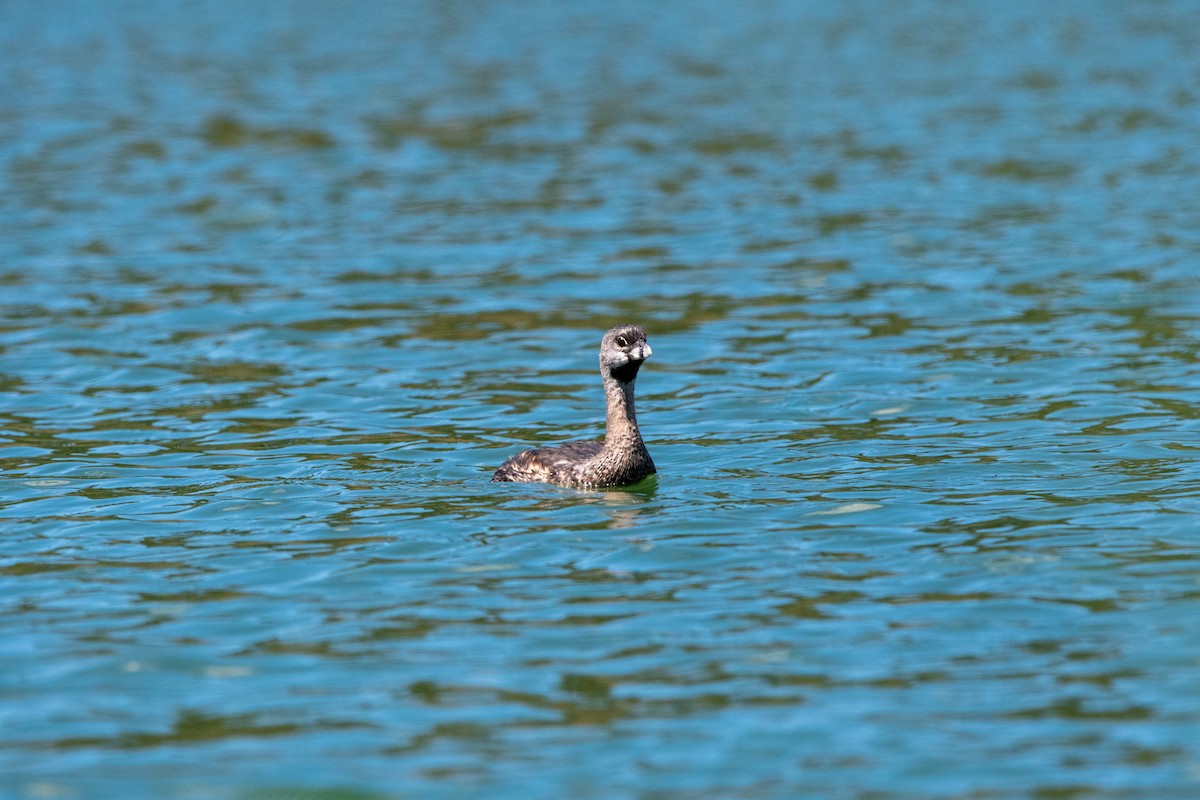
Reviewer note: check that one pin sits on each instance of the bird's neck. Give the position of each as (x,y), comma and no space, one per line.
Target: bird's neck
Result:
(621,428)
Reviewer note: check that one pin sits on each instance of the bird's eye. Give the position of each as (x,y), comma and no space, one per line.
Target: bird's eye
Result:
(622,341)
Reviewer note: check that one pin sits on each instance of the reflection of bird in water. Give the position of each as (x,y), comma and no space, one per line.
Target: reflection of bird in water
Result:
(622,459)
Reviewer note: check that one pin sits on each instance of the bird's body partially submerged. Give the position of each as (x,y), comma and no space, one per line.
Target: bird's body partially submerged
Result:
(622,459)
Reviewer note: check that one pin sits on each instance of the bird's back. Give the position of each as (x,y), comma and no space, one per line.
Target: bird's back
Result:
(547,464)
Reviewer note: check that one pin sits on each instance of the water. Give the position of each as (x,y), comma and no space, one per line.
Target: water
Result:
(280,287)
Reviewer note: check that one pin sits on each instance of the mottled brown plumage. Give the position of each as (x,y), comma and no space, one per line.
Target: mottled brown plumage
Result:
(622,459)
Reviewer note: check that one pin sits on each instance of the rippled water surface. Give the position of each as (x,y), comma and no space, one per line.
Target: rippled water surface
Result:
(280,285)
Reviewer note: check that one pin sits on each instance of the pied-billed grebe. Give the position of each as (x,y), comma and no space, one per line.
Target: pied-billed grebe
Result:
(622,459)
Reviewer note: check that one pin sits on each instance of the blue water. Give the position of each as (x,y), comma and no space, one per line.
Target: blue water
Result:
(280,286)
